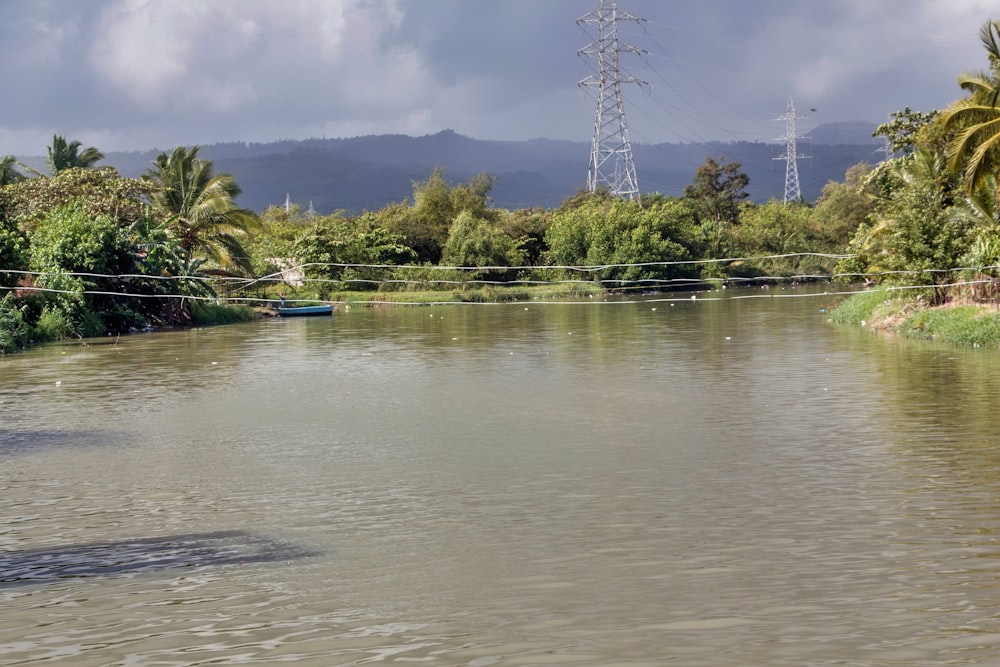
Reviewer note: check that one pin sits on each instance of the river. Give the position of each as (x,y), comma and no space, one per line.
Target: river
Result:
(721,481)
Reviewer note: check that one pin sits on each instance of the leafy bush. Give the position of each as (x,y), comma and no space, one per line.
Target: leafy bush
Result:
(477,242)
(642,243)
(913,240)
(13,252)
(64,294)
(68,239)
(14,331)
(77,254)
(52,324)
(332,242)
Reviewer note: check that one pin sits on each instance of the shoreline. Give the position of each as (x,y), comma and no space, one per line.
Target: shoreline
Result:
(960,322)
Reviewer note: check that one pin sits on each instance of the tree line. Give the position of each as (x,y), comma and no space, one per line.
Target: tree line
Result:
(85,251)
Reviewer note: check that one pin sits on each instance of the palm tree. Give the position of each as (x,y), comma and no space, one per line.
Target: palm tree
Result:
(201,209)
(924,165)
(66,155)
(975,150)
(980,208)
(8,172)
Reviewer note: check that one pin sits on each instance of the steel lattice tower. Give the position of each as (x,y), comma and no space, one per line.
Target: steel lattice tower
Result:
(611,161)
(792,191)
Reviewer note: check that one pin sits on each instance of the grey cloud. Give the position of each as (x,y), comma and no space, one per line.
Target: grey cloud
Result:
(124,74)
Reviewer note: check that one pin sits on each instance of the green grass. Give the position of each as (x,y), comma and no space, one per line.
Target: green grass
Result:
(910,316)
(862,307)
(960,325)
(206,314)
(472,294)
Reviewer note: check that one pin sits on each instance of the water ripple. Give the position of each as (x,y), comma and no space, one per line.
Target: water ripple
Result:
(708,485)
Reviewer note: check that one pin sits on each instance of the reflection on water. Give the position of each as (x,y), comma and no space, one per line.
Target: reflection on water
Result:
(709,482)
(13,441)
(232,547)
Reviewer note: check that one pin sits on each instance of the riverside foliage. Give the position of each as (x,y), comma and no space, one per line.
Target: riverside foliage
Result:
(936,222)
(85,251)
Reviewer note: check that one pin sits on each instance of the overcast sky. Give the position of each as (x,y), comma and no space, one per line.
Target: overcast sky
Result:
(141,74)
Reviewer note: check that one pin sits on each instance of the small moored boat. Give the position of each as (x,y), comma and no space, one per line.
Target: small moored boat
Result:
(303,311)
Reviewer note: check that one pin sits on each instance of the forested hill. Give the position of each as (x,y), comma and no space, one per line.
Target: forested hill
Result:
(367,173)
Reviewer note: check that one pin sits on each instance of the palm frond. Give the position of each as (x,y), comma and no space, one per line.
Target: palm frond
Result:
(984,159)
(977,83)
(973,151)
(8,172)
(989,35)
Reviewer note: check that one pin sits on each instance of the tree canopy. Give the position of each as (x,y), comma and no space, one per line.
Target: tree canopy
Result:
(65,155)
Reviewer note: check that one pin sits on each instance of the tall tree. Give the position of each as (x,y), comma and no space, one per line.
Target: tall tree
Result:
(715,197)
(904,128)
(201,209)
(717,190)
(975,150)
(477,242)
(842,208)
(425,225)
(915,239)
(67,155)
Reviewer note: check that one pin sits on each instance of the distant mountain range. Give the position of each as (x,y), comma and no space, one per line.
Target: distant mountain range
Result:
(370,172)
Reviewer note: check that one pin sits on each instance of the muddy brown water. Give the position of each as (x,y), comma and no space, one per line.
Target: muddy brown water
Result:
(725,481)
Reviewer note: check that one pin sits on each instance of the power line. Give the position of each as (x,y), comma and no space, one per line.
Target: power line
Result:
(697,81)
(587,279)
(698,113)
(277,277)
(618,288)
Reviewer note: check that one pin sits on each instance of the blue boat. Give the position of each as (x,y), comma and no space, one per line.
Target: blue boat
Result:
(303,311)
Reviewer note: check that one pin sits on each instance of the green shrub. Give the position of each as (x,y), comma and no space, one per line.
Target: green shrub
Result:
(14,331)
(65,296)
(207,314)
(91,325)
(52,324)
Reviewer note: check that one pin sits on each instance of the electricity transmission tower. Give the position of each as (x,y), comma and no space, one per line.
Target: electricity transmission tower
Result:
(792,191)
(611,161)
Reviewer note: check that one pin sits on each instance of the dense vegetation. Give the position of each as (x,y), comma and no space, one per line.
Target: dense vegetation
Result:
(85,251)
(936,223)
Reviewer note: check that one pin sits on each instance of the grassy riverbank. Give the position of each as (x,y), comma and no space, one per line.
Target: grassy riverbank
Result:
(957,323)
(479,294)
(205,314)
